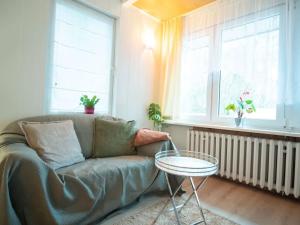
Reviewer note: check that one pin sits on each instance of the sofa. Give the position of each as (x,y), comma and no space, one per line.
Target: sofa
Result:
(33,193)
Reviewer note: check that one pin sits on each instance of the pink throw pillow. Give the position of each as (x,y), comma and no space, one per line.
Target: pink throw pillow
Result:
(146,136)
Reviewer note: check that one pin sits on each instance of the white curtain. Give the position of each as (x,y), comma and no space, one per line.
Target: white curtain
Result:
(252,43)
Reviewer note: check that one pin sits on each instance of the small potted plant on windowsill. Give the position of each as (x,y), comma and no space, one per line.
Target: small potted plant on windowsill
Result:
(89,104)
(154,114)
(243,104)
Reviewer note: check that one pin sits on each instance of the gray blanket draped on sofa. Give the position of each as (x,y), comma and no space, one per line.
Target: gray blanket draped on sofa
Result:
(33,193)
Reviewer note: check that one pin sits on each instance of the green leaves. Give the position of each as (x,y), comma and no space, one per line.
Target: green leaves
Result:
(230,107)
(154,114)
(90,103)
(250,108)
(240,106)
(248,101)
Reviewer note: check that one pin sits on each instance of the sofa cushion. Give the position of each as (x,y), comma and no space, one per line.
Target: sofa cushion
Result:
(84,126)
(103,167)
(55,142)
(113,138)
(146,136)
(117,180)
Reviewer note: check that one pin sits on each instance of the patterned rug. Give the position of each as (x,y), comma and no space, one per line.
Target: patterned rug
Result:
(189,214)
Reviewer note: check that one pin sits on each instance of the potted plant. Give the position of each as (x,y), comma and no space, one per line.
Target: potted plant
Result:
(89,104)
(242,105)
(154,114)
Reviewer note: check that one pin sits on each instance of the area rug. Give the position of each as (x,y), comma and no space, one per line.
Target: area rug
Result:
(189,214)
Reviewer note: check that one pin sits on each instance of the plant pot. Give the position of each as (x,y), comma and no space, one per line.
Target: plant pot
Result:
(89,110)
(238,121)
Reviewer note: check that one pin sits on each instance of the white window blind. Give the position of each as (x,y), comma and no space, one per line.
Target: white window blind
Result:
(82,57)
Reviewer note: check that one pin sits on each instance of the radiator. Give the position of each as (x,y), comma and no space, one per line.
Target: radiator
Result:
(266,163)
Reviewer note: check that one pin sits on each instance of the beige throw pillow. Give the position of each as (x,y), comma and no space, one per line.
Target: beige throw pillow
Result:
(55,142)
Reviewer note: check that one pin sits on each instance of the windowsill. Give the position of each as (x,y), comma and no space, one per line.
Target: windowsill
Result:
(279,132)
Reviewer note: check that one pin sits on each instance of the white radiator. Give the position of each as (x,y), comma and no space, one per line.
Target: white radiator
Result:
(266,163)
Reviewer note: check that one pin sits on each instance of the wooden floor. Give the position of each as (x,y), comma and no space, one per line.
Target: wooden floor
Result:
(247,205)
(242,204)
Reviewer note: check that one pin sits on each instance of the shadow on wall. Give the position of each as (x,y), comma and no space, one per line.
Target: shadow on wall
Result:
(178,134)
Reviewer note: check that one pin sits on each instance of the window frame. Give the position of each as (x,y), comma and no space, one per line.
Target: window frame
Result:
(207,116)
(214,77)
(49,78)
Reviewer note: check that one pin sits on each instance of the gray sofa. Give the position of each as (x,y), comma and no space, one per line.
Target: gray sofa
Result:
(83,193)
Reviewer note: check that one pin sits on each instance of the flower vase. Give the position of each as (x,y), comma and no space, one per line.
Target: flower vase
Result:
(238,121)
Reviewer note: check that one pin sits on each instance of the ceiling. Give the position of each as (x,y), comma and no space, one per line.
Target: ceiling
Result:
(166,9)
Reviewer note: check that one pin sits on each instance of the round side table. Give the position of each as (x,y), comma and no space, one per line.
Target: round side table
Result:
(187,164)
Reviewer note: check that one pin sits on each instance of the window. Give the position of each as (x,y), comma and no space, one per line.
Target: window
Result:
(195,68)
(249,61)
(82,57)
(222,60)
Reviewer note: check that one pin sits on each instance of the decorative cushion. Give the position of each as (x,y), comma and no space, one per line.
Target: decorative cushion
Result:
(145,136)
(55,142)
(113,138)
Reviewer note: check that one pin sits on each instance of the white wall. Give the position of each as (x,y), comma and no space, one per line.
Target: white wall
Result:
(24,39)
(178,134)
(23,53)
(137,69)
(110,7)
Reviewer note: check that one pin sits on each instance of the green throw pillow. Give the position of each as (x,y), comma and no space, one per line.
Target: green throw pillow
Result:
(113,138)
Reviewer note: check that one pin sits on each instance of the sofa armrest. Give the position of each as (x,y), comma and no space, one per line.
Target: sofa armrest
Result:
(19,165)
(151,149)
(11,138)
(17,153)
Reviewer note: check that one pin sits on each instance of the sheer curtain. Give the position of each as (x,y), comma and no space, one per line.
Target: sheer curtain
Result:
(170,65)
(250,54)
(283,15)
(250,47)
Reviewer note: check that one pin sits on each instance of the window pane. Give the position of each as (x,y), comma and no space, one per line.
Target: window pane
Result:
(194,75)
(249,62)
(82,58)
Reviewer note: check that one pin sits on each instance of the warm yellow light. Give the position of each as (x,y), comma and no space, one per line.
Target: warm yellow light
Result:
(149,39)
(167,9)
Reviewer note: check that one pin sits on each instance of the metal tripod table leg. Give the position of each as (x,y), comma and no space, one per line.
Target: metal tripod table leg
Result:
(197,198)
(172,199)
(197,188)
